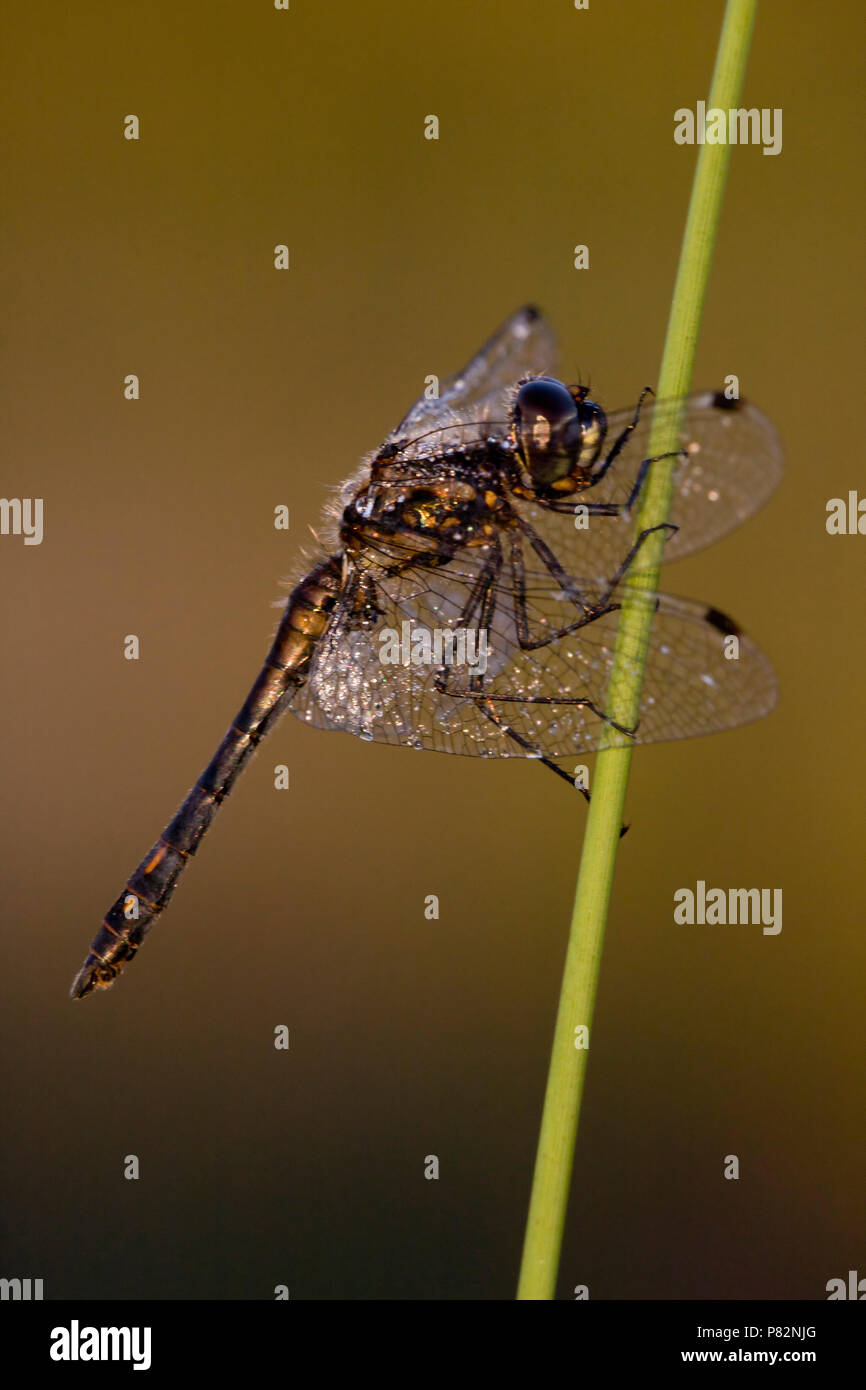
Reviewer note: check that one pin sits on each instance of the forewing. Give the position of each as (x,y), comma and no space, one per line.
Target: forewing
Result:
(481,392)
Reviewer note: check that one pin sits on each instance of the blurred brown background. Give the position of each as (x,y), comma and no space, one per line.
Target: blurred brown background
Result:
(306,907)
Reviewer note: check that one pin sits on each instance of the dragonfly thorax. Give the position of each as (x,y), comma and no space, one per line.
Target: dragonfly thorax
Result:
(425,512)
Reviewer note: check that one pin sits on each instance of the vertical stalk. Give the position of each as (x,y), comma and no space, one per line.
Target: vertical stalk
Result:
(568,1062)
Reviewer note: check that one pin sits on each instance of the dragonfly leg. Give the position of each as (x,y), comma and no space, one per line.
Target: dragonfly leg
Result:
(488,608)
(623,436)
(485,707)
(483,598)
(630,557)
(626,509)
(623,510)
(569,701)
(490,712)
(592,611)
(616,449)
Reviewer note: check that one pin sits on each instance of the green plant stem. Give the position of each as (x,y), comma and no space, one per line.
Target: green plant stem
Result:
(568,1062)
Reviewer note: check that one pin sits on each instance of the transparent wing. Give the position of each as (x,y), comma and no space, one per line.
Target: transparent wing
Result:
(552,696)
(693,684)
(523,344)
(733,462)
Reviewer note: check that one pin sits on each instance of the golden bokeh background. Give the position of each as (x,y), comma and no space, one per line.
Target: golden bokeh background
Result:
(306,907)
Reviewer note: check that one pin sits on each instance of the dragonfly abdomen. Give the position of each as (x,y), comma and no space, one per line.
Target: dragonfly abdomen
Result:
(147,892)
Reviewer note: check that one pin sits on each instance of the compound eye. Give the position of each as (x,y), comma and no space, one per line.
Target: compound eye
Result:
(547,429)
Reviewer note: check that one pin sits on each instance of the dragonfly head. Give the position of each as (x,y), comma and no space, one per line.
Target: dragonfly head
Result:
(559,435)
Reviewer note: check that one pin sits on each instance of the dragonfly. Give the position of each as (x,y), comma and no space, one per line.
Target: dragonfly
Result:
(469,583)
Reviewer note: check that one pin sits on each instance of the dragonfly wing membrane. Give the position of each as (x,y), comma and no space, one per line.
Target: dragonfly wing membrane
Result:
(388,682)
(523,344)
(732,462)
